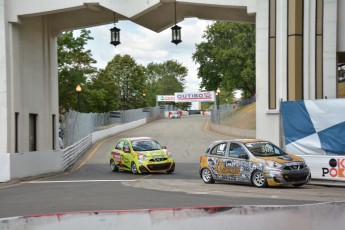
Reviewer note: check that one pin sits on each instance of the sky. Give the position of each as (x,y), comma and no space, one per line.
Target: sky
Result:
(146,46)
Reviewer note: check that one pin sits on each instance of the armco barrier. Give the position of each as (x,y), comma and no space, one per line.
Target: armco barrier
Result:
(306,217)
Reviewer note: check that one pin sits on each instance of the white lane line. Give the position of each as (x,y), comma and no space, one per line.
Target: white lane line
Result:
(75,181)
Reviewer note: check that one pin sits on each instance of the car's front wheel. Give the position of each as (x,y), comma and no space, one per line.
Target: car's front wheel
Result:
(134,168)
(113,166)
(206,176)
(259,179)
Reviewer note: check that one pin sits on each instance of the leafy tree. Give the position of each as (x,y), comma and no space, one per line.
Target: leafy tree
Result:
(103,93)
(74,67)
(164,79)
(227,58)
(128,83)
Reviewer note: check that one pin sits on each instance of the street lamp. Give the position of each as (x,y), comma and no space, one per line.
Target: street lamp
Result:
(176,31)
(218,112)
(115,34)
(78,89)
(218,93)
(144,98)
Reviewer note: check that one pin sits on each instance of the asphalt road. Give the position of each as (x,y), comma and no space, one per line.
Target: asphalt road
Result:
(92,186)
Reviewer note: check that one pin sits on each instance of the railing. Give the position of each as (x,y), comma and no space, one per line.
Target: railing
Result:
(226,115)
(77,126)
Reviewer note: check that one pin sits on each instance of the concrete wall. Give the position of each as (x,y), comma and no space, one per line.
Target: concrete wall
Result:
(20,165)
(341,26)
(35,163)
(35,90)
(3,81)
(314,216)
(96,136)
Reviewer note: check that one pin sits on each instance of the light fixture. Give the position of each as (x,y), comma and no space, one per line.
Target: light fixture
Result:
(78,90)
(218,94)
(115,34)
(176,31)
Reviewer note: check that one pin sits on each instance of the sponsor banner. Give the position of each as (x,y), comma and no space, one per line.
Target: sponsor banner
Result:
(165,98)
(314,127)
(195,97)
(326,167)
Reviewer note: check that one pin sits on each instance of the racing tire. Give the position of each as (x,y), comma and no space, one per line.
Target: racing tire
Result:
(206,176)
(172,169)
(134,168)
(113,166)
(259,179)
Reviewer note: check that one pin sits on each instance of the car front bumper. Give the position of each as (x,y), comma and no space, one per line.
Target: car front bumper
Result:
(288,177)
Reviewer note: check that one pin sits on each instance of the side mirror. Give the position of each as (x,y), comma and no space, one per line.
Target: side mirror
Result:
(244,156)
(164,147)
(126,150)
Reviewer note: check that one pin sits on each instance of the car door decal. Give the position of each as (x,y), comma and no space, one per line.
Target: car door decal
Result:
(232,169)
(227,168)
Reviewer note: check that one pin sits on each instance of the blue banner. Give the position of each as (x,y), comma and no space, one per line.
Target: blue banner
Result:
(314,127)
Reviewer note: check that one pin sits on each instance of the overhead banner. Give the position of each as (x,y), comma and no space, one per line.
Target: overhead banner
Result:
(314,127)
(195,97)
(165,98)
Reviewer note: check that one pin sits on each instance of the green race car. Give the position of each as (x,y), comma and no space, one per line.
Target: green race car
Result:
(141,155)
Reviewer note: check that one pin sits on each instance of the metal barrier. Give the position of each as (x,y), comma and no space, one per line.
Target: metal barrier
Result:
(77,126)
(225,114)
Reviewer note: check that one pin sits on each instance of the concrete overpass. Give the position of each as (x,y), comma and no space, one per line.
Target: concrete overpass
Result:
(298,47)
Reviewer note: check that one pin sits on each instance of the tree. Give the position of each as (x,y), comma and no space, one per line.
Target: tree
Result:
(164,79)
(102,93)
(128,81)
(74,67)
(227,58)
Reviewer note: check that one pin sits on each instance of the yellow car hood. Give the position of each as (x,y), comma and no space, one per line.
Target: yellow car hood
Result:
(160,152)
(282,159)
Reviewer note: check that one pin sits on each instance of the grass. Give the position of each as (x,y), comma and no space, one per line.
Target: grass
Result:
(243,117)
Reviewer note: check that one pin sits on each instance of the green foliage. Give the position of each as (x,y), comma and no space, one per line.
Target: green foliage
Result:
(227,58)
(129,79)
(122,85)
(74,67)
(164,79)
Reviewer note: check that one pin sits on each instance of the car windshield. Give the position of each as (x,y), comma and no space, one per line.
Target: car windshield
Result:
(146,145)
(264,149)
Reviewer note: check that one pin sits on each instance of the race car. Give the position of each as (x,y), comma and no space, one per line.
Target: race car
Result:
(141,155)
(252,161)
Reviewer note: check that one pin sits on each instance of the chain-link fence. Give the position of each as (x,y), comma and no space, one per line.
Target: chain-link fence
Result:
(226,115)
(76,126)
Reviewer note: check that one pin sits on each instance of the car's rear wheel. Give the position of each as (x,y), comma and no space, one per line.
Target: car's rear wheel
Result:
(259,179)
(113,166)
(134,168)
(206,176)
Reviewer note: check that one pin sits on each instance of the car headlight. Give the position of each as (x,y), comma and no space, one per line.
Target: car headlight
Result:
(305,164)
(141,157)
(170,155)
(273,164)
